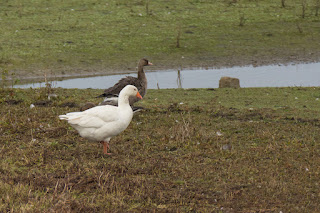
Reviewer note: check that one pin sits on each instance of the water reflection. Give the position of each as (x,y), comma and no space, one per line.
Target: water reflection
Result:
(264,76)
(179,82)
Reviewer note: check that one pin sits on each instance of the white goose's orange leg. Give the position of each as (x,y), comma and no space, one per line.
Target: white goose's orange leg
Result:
(105,147)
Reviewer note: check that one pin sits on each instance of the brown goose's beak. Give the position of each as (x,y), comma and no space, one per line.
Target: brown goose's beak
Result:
(138,95)
(149,63)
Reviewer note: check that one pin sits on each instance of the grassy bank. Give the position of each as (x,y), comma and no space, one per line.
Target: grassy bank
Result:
(89,36)
(227,150)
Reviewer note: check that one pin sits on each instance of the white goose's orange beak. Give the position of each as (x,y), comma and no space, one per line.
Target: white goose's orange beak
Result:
(149,63)
(138,95)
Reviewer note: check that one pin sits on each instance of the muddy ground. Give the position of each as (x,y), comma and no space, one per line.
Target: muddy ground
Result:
(222,150)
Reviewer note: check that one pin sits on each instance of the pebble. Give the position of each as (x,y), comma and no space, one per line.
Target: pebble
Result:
(226,147)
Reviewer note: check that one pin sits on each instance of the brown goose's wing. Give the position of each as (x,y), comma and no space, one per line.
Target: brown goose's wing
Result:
(115,90)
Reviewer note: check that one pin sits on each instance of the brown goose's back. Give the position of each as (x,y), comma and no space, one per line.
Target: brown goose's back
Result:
(140,82)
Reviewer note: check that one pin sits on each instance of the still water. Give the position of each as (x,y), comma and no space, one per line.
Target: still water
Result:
(304,75)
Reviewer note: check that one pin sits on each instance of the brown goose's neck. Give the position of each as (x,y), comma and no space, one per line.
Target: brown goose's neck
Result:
(141,74)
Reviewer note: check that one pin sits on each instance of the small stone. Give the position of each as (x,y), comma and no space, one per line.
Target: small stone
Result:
(226,147)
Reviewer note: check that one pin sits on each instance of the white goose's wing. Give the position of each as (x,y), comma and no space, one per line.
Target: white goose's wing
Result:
(92,118)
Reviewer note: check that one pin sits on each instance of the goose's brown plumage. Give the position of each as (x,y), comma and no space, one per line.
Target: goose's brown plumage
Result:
(140,82)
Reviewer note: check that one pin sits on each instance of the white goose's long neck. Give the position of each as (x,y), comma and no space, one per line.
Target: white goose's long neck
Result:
(123,101)
(124,109)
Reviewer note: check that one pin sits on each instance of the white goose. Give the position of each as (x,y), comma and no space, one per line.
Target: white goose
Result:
(100,123)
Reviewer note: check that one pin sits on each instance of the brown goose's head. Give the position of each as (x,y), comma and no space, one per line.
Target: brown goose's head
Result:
(144,62)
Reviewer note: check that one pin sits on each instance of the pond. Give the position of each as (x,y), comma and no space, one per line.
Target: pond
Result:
(291,75)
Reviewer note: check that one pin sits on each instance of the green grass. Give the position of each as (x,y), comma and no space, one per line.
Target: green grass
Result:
(90,36)
(173,157)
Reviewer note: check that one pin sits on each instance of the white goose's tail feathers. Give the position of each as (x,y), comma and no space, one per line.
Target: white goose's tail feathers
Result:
(63,117)
(69,116)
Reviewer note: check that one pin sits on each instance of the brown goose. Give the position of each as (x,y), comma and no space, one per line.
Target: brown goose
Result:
(111,94)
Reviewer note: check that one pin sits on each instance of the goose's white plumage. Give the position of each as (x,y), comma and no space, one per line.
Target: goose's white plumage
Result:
(100,123)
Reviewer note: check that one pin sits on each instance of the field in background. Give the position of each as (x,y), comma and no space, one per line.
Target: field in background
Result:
(62,37)
(201,150)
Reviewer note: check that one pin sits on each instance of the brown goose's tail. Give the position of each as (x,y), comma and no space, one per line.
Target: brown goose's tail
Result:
(105,95)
